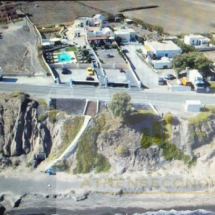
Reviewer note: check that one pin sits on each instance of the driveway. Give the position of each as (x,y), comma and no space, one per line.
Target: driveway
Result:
(147,76)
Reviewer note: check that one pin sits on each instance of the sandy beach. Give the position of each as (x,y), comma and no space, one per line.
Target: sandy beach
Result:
(56,194)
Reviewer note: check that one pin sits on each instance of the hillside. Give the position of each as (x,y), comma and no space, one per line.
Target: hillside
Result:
(143,142)
(174,16)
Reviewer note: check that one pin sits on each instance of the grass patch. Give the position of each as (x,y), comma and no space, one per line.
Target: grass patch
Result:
(202,117)
(71,49)
(146,138)
(42,103)
(167,126)
(141,115)
(87,156)
(42,117)
(156,133)
(28,164)
(17,20)
(57,51)
(212,87)
(52,115)
(171,152)
(18,94)
(71,128)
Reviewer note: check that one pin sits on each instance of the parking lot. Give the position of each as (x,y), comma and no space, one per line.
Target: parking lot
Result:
(74,74)
(114,56)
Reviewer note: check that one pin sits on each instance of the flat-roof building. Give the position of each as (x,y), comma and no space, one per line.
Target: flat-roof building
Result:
(157,49)
(196,40)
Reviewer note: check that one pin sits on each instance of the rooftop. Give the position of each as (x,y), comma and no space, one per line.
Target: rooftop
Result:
(164,45)
(193,102)
(198,36)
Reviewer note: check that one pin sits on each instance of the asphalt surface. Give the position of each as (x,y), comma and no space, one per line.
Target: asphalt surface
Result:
(91,93)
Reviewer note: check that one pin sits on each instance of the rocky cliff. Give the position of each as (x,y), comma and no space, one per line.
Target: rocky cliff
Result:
(20,130)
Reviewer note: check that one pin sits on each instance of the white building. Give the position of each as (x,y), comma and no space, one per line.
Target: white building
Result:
(90,23)
(157,49)
(193,106)
(164,63)
(97,36)
(196,40)
(126,34)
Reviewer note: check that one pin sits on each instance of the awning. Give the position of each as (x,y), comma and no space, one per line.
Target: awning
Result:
(97,38)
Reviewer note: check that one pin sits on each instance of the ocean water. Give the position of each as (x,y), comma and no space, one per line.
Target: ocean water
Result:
(174,212)
(108,211)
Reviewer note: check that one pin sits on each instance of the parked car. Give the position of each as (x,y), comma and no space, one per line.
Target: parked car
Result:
(169,76)
(90,78)
(161,81)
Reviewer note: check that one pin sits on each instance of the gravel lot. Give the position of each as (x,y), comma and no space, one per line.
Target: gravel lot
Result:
(19,49)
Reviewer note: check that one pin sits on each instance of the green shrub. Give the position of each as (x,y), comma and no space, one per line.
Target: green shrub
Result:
(52,115)
(122,151)
(18,94)
(16,163)
(146,138)
(42,103)
(28,164)
(41,118)
(71,49)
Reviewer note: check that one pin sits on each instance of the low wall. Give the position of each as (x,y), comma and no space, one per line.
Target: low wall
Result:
(19,75)
(71,65)
(115,66)
(206,49)
(179,87)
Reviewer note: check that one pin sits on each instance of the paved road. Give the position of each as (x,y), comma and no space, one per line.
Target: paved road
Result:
(137,95)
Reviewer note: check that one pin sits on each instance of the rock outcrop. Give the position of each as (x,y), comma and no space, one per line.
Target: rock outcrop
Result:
(20,130)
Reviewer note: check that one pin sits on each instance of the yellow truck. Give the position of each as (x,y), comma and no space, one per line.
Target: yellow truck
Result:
(90,71)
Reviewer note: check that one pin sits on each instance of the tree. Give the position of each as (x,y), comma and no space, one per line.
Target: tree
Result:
(194,60)
(185,48)
(120,104)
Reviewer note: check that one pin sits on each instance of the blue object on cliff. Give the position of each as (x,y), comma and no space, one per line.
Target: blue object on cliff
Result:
(49,171)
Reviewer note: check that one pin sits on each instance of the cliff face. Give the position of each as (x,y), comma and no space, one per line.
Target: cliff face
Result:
(20,130)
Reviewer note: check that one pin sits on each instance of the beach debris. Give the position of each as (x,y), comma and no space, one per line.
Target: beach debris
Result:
(49,185)
(82,197)
(17,203)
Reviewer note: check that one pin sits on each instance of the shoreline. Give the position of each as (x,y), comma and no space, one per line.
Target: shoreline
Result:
(103,210)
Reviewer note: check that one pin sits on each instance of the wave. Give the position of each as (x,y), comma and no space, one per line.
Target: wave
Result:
(174,212)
